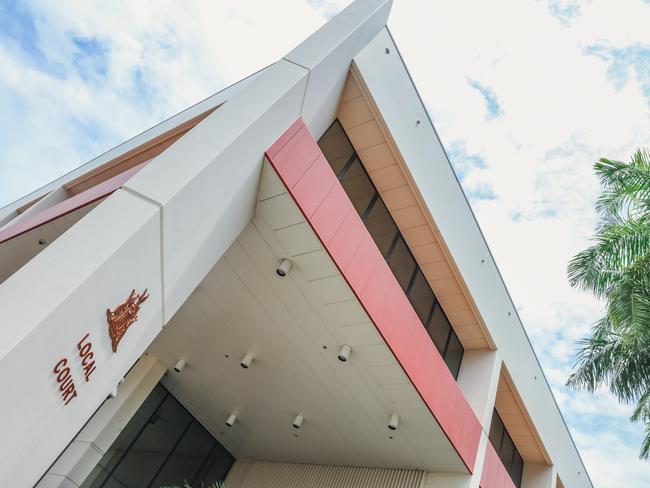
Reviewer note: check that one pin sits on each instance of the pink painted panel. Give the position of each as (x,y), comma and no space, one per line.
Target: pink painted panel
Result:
(69,205)
(331,214)
(494,474)
(313,186)
(309,178)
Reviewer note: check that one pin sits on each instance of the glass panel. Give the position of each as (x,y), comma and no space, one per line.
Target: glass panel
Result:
(517,469)
(438,329)
(153,445)
(358,187)
(188,457)
(496,431)
(161,445)
(507,451)
(454,354)
(217,466)
(354,179)
(130,432)
(401,263)
(421,297)
(336,147)
(381,227)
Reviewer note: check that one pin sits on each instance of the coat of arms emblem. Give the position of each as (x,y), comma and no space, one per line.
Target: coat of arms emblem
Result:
(120,319)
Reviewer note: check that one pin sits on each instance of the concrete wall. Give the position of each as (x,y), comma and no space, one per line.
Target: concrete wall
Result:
(163,231)
(384,76)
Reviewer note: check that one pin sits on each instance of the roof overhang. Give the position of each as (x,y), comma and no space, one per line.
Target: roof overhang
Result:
(295,326)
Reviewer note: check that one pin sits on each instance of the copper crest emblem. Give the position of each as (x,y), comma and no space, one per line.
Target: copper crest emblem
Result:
(120,319)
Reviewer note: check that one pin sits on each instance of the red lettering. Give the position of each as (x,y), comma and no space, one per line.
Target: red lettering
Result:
(62,362)
(86,355)
(71,392)
(89,369)
(85,349)
(82,339)
(65,384)
(86,358)
(65,372)
(65,380)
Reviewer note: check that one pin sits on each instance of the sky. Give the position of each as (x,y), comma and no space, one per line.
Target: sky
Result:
(525,95)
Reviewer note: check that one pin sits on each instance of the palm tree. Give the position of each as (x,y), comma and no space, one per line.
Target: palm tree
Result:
(616,268)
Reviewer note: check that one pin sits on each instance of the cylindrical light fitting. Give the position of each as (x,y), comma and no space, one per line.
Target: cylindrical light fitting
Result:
(230,421)
(297,422)
(178,367)
(247,360)
(393,422)
(284,267)
(344,352)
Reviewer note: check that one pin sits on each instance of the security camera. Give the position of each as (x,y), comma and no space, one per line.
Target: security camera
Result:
(284,267)
(297,422)
(393,422)
(344,353)
(230,421)
(247,360)
(178,367)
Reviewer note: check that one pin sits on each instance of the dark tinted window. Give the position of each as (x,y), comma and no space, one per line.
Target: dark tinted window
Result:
(506,449)
(162,445)
(368,203)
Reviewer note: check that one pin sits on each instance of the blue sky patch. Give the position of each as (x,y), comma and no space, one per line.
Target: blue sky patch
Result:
(623,62)
(563,11)
(462,160)
(492,106)
(18,25)
(90,57)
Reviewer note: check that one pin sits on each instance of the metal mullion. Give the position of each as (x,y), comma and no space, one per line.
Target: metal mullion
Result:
(205,461)
(366,212)
(110,473)
(444,351)
(178,441)
(412,279)
(392,246)
(430,317)
(346,166)
(512,460)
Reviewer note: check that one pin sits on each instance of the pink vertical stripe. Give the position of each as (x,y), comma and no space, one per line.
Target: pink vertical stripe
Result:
(311,182)
(494,474)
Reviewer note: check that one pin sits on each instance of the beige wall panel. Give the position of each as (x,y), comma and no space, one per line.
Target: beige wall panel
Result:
(371,144)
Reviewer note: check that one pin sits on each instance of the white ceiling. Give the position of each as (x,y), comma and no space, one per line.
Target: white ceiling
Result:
(16,252)
(295,326)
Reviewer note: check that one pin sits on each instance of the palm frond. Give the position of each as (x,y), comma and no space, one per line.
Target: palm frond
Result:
(617,268)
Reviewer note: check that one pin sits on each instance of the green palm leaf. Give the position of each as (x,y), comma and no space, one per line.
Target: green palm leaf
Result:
(616,268)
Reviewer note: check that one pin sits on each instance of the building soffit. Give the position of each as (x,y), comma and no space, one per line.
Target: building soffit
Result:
(177,246)
(360,119)
(518,423)
(383,71)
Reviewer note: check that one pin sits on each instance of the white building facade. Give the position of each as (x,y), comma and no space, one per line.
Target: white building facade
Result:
(283,285)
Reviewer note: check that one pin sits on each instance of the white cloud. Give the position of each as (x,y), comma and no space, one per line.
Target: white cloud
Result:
(558,111)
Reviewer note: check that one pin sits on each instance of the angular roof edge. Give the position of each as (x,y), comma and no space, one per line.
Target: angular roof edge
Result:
(140,139)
